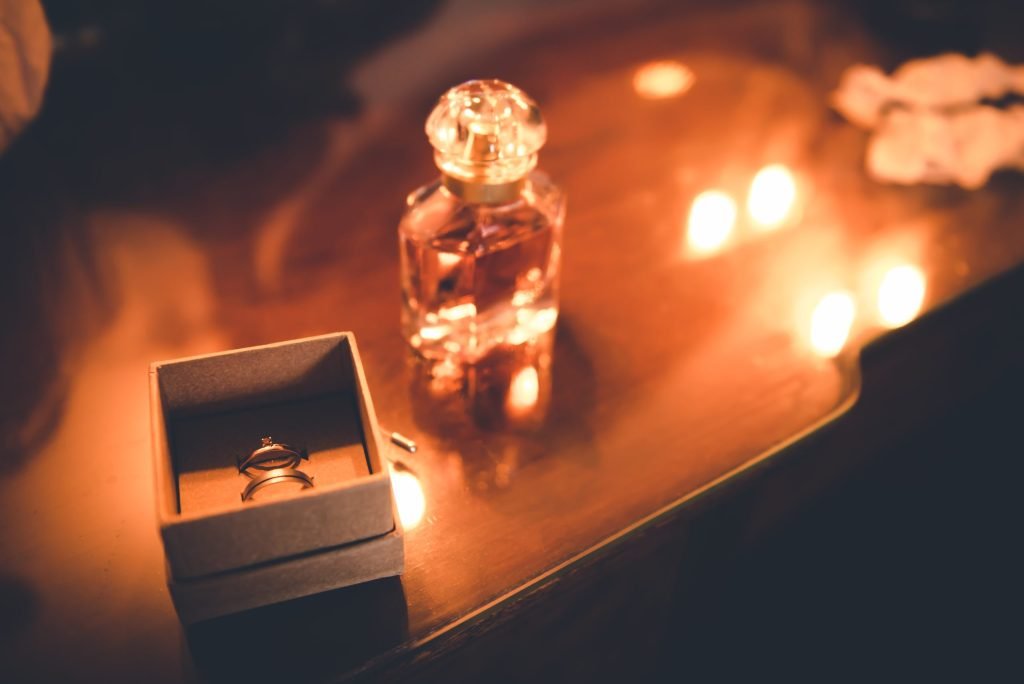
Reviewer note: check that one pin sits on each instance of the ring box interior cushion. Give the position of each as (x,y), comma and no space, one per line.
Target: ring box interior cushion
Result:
(209,410)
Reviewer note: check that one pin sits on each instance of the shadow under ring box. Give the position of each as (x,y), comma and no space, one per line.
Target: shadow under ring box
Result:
(225,555)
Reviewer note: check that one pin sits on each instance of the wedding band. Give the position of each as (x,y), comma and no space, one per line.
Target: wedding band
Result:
(275,476)
(271,456)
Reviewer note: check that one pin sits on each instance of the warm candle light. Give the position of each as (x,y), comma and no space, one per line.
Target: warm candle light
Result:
(711,221)
(523,392)
(901,295)
(831,323)
(772,195)
(663,79)
(409,497)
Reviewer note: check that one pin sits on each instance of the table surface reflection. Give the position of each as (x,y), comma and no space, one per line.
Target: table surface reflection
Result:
(675,364)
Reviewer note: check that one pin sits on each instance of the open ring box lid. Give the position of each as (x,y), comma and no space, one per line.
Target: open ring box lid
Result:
(311,394)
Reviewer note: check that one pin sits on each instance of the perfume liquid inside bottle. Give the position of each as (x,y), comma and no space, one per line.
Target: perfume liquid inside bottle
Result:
(481,247)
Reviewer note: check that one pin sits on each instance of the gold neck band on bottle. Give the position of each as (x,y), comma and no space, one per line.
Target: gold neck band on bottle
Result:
(483,193)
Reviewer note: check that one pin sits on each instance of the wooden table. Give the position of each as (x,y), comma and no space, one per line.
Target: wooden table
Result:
(683,410)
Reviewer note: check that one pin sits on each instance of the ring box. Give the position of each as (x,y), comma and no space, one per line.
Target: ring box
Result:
(225,555)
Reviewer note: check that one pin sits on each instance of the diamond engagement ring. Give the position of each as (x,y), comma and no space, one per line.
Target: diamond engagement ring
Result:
(271,456)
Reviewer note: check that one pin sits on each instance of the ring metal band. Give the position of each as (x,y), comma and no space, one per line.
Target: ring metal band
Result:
(276,476)
(271,456)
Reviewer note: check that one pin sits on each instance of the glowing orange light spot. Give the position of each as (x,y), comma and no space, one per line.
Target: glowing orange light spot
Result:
(409,497)
(772,195)
(664,79)
(447,260)
(523,391)
(831,323)
(711,221)
(901,295)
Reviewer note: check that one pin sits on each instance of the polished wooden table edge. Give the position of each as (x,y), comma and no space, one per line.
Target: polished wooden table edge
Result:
(835,425)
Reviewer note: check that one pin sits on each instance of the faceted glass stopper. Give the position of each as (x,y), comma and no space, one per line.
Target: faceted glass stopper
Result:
(486,132)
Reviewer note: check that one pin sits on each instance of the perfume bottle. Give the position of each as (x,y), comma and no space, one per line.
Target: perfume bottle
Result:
(481,245)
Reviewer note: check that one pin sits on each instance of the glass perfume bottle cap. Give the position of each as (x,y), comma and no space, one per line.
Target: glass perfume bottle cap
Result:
(486,132)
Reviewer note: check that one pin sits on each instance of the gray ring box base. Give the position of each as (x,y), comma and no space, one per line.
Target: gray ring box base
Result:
(224,555)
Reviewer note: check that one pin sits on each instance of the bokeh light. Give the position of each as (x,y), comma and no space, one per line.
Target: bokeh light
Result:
(711,222)
(409,498)
(662,79)
(831,323)
(901,295)
(772,196)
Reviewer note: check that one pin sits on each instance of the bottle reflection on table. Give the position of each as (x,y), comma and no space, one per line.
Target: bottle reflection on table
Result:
(507,389)
(510,388)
